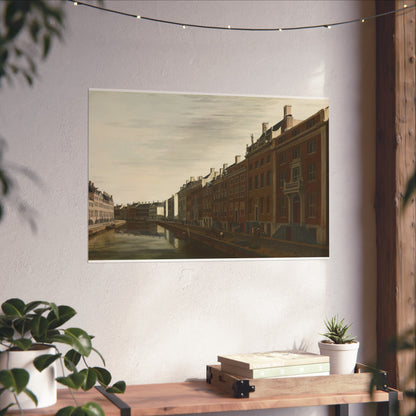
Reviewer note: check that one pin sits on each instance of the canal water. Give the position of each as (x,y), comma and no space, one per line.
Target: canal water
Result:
(146,241)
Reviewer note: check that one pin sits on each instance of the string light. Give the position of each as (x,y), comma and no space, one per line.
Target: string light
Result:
(246,29)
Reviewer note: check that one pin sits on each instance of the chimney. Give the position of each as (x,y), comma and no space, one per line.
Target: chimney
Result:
(211,171)
(265,127)
(220,171)
(237,159)
(192,179)
(288,118)
(225,166)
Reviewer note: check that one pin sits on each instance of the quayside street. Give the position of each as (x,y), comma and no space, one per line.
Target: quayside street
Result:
(243,245)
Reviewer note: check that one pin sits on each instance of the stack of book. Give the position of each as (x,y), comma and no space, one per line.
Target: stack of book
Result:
(275,364)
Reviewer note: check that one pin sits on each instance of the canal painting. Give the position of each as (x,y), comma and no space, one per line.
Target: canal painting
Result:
(202,176)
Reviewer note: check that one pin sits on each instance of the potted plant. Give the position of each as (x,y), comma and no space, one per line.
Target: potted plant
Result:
(34,331)
(341,347)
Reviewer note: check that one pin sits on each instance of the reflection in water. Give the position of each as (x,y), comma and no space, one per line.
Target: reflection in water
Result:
(146,241)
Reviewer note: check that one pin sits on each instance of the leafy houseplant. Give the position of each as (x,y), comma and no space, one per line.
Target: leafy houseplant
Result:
(27,327)
(341,347)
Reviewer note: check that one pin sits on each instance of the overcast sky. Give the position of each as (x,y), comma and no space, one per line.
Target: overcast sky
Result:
(143,146)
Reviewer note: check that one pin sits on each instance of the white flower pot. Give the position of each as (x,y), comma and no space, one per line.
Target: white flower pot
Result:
(342,357)
(42,384)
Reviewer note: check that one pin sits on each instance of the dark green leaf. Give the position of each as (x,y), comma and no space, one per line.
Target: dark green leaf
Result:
(31,396)
(90,379)
(73,381)
(88,409)
(93,409)
(39,327)
(33,305)
(6,332)
(59,315)
(119,387)
(71,360)
(13,307)
(78,339)
(65,411)
(14,380)
(103,376)
(4,411)
(22,343)
(44,361)
(22,325)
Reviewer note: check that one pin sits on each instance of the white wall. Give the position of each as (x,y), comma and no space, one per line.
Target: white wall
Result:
(164,321)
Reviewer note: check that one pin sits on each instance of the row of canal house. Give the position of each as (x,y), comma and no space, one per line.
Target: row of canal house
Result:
(100,206)
(279,189)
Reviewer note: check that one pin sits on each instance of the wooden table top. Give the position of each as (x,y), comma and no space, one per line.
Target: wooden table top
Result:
(199,397)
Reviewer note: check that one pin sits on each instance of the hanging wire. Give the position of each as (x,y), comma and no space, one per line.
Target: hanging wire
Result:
(242,29)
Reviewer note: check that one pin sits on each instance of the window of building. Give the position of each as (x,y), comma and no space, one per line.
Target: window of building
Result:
(268,204)
(250,183)
(268,178)
(262,161)
(283,206)
(268,158)
(282,157)
(282,179)
(311,205)
(261,205)
(312,146)
(296,153)
(256,181)
(262,180)
(312,171)
(295,173)
(256,165)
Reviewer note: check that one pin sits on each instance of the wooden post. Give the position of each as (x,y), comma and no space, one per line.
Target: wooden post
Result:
(395,164)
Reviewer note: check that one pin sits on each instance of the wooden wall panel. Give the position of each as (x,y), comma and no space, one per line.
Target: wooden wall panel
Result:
(395,164)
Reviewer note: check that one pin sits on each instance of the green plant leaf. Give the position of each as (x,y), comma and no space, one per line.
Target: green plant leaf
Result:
(77,338)
(33,305)
(90,379)
(31,396)
(14,380)
(22,343)
(73,381)
(88,409)
(4,411)
(59,315)
(13,307)
(22,325)
(119,387)
(39,327)
(44,361)
(6,332)
(103,376)
(71,360)
(98,353)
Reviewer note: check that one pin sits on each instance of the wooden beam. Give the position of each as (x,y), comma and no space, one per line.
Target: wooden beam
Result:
(395,164)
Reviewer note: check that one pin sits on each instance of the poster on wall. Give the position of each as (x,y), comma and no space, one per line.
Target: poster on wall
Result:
(203,176)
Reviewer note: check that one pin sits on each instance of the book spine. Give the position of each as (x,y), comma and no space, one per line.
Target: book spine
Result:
(286,371)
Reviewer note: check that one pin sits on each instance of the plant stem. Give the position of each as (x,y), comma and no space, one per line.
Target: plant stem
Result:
(18,403)
(63,373)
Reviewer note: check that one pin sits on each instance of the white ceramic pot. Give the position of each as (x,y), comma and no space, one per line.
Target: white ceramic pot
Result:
(42,384)
(342,357)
